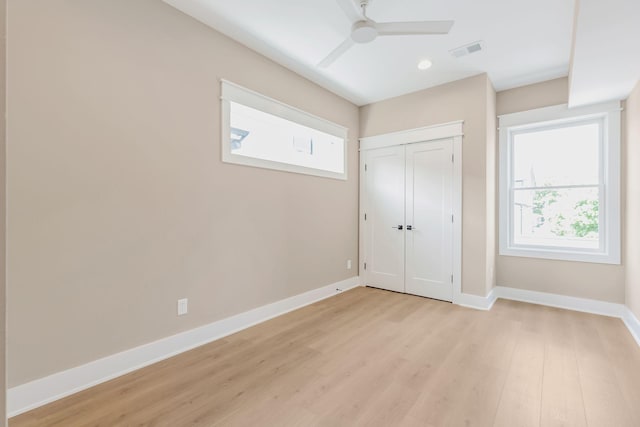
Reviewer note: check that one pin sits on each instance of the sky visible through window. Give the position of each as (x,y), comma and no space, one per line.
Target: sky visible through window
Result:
(556,186)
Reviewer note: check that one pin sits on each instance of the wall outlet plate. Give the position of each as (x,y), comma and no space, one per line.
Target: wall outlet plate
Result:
(183,306)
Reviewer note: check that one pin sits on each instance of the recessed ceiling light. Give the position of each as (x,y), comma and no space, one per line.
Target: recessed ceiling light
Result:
(425,64)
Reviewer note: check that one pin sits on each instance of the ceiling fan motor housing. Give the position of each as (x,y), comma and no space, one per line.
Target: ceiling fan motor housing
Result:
(363,32)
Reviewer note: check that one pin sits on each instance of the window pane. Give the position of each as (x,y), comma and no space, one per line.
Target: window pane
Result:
(557,217)
(562,156)
(264,136)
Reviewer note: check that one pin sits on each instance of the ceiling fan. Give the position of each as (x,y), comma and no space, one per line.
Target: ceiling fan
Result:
(365,30)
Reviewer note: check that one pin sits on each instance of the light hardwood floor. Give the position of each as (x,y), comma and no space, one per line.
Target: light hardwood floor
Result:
(376,358)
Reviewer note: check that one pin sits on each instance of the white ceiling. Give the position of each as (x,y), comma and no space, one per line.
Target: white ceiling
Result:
(606,54)
(524,41)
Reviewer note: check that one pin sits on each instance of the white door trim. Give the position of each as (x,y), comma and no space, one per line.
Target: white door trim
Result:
(457,220)
(431,133)
(428,133)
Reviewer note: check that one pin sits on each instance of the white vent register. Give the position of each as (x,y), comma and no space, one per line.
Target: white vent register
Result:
(467,49)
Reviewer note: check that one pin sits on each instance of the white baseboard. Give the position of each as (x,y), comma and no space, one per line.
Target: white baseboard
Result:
(633,324)
(576,304)
(542,298)
(39,392)
(475,301)
(561,301)
(585,305)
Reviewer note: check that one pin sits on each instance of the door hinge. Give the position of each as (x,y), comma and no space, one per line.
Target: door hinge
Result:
(452,158)
(365,265)
(452,278)
(365,167)
(451,218)
(365,216)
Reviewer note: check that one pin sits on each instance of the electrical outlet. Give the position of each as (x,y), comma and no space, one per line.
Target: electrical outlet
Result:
(348,264)
(183,306)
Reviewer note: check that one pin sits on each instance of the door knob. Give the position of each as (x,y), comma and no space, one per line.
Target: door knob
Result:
(398,227)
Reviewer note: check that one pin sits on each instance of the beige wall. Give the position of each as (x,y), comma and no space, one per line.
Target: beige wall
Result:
(596,281)
(462,100)
(118,201)
(3,199)
(491,186)
(632,270)
(551,92)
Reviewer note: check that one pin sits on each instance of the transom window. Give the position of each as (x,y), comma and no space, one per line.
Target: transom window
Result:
(559,193)
(262,132)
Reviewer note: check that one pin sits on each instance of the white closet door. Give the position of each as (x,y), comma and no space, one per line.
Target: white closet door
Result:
(384,225)
(429,227)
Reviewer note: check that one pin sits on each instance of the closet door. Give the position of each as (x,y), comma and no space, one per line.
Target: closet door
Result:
(429,227)
(384,225)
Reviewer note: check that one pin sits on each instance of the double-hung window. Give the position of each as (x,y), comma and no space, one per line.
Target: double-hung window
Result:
(262,132)
(560,183)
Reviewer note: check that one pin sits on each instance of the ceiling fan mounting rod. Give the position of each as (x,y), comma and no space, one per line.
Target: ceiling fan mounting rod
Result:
(363,6)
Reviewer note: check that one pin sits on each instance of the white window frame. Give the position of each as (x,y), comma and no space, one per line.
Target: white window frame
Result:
(609,185)
(231,92)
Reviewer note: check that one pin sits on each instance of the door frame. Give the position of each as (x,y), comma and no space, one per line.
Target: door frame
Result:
(450,130)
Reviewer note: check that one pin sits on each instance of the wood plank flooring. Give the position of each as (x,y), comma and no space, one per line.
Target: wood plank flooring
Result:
(375,358)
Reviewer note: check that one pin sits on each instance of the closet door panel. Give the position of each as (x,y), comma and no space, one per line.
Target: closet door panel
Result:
(429,252)
(384,226)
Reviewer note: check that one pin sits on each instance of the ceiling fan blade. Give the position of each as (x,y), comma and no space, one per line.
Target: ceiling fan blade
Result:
(336,53)
(408,28)
(351,10)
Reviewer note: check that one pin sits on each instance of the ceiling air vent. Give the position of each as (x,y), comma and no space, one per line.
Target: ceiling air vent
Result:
(466,49)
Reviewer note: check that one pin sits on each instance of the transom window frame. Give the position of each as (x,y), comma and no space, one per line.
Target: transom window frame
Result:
(609,115)
(232,92)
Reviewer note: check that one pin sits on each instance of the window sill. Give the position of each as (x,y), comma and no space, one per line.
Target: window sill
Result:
(563,255)
(228,157)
